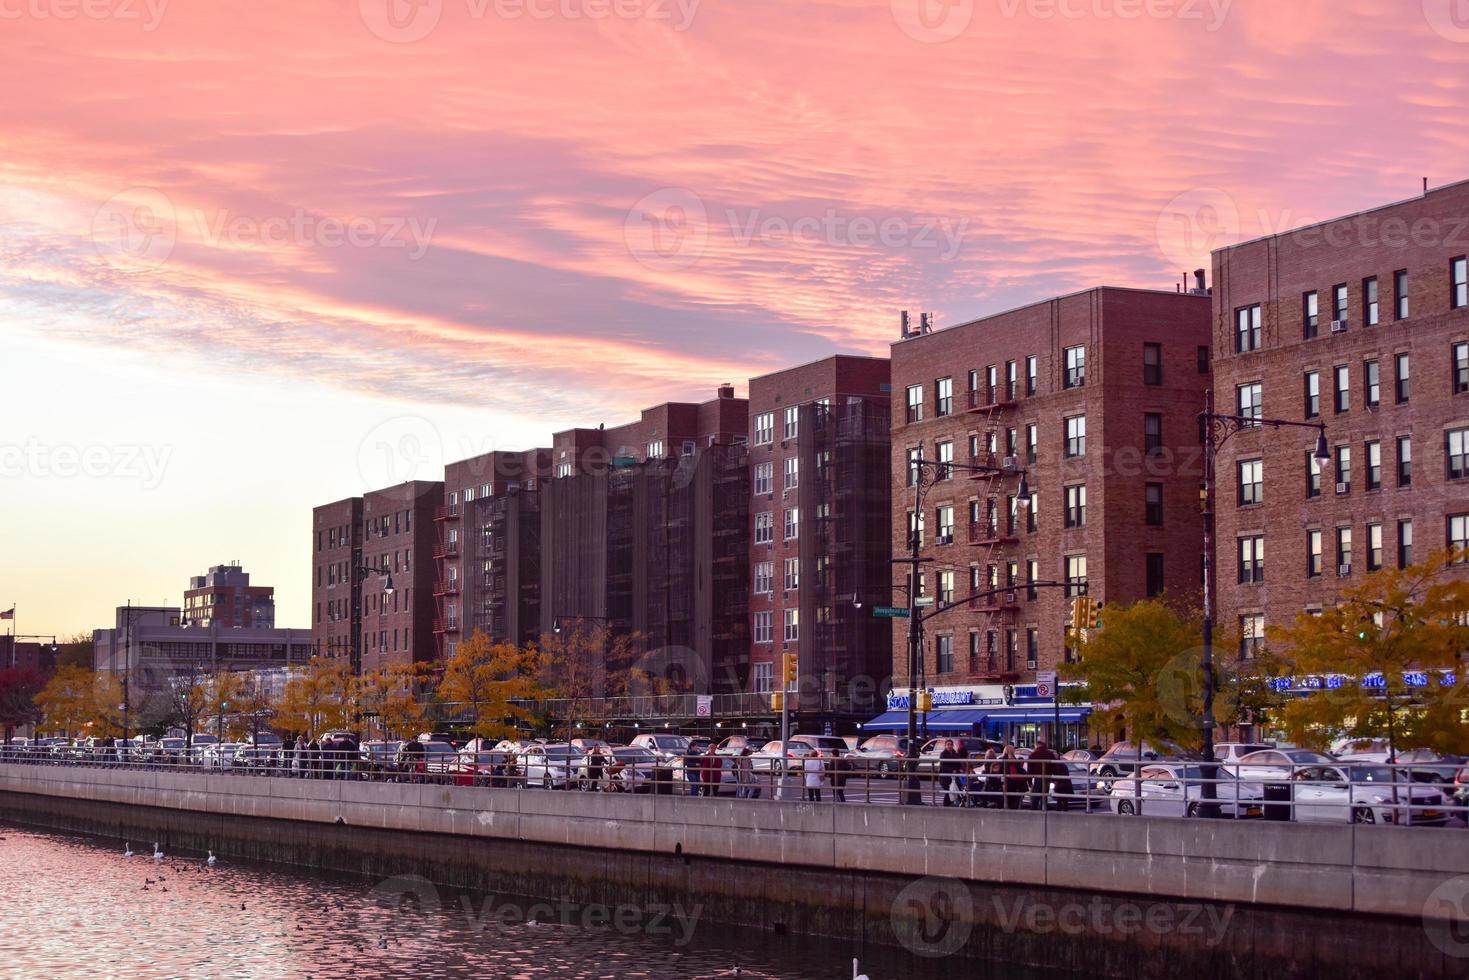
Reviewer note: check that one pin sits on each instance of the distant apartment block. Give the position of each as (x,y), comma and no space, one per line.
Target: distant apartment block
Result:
(223,596)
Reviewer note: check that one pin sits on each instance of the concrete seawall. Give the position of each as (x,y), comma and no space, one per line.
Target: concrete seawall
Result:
(1299,900)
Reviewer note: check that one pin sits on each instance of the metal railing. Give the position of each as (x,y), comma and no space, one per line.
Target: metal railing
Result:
(1367,793)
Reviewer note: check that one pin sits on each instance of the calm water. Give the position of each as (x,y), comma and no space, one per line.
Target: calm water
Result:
(74,906)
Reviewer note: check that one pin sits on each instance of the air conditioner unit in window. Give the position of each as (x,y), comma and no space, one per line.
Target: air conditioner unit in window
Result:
(1343,488)
(1338,326)
(1012,599)
(1009,462)
(1342,571)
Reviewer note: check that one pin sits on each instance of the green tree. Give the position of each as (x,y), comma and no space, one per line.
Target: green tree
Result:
(1396,624)
(489,680)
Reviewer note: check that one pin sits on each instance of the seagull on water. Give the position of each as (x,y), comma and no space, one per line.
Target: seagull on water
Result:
(127,849)
(211,859)
(157,854)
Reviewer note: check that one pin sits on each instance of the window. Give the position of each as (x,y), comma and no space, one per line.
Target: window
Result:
(563,469)
(1032,647)
(973,383)
(764,528)
(764,577)
(1403,385)
(945,469)
(1011,386)
(1152,364)
(945,587)
(764,477)
(1152,434)
(1339,310)
(914,455)
(1370,314)
(1252,559)
(1405,542)
(791,580)
(791,421)
(1153,504)
(1313,394)
(1250,473)
(1343,469)
(1247,400)
(792,472)
(973,650)
(1313,554)
(1374,547)
(1343,376)
(764,628)
(1075,506)
(764,428)
(1343,551)
(915,403)
(1075,367)
(945,524)
(1459,269)
(1458,534)
(1251,635)
(1405,461)
(1461,368)
(764,671)
(1154,574)
(1032,441)
(1456,451)
(792,632)
(1075,576)
(1372,453)
(1310,315)
(1247,329)
(1032,572)
(1076,436)
(792,523)
(655,449)
(1400,294)
(1202,360)
(943,397)
(1031,371)
(944,649)
(1010,649)
(1371,384)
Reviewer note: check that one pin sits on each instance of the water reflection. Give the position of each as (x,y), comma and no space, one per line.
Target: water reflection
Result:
(77,907)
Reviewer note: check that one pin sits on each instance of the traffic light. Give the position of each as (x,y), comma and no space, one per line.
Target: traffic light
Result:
(777,700)
(1077,619)
(925,701)
(790,671)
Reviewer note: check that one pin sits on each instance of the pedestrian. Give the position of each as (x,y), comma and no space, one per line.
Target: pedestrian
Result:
(815,771)
(713,772)
(747,788)
(947,769)
(838,769)
(1012,775)
(961,773)
(593,781)
(1039,768)
(313,758)
(691,766)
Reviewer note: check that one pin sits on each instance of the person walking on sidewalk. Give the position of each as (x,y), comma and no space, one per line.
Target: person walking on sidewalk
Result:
(815,776)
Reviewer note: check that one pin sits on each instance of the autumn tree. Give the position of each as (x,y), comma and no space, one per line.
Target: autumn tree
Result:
(67,701)
(225,693)
(318,699)
(1383,655)
(391,694)
(489,680)
(585,661)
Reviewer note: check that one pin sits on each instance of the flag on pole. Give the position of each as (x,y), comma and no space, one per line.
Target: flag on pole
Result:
(8,613)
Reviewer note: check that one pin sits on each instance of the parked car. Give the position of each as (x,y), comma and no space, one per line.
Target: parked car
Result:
(665,746)
(171,750)
(728,776)
(1122,757)
(770,754)
(1176,789)
(379,759)
(515,746)
(454,741)
(483,767)
(1277,765)
(1460,799)
(882,753)
(221,756)
(830,746)
(624,768)
(1365,794)
(425,758)
(1231,752)
(551,766)
(735,744)
(587,744)
(199,745)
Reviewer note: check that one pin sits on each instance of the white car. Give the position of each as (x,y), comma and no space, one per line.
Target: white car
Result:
(1365,794)
(221,756)
(1231,752)
(1276,765)
(666,747)
(1176,789)
(767,759)
(551,766)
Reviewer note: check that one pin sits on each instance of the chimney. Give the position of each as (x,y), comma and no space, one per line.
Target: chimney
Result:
(925,322)
(903,324)
(1200,284)
(726,391)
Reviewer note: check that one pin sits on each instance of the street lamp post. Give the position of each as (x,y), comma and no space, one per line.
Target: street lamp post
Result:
(364,572)
(1217,429)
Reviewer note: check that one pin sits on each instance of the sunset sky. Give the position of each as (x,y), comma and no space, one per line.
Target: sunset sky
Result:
(250,249)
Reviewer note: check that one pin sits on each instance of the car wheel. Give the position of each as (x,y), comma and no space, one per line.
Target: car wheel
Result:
(546,781)
(1363,814)
(1192,811)
(885,768)
(1124,807)
(1104,779)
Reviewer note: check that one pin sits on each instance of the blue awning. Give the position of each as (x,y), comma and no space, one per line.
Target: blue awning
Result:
(1037,714)
(943,719)
(888,721)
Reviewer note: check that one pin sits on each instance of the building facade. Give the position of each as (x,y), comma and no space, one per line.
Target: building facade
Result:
(643,529)
(488,549)
(224,596)
(819,538)
(152,646)
(1094,397)
(354,614)
(1360,323)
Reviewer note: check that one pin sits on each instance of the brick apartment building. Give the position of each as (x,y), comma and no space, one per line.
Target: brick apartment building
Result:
(1095,395)
(488,549)
(352,614)
(1362,323)
(819,535)
(224,597)
(643,527)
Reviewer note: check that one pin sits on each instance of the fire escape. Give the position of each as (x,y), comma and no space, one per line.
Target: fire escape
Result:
(993,531)
(446,587)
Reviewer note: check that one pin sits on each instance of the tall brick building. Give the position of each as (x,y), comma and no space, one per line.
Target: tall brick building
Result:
(819,511)
(224,597)
(643,527)
(488,549)
(353,615)
(1095,396)
(1362,323)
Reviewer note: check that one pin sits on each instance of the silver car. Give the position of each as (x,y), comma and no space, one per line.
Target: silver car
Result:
(551,766)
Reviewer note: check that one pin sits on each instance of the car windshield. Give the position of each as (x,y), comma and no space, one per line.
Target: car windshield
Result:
(172,743)
(562,752)
(1240,750)
(437,747)
(267,739)
(1370,774)
(670,741)
(482,758)
(632,755)
(1302,757)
